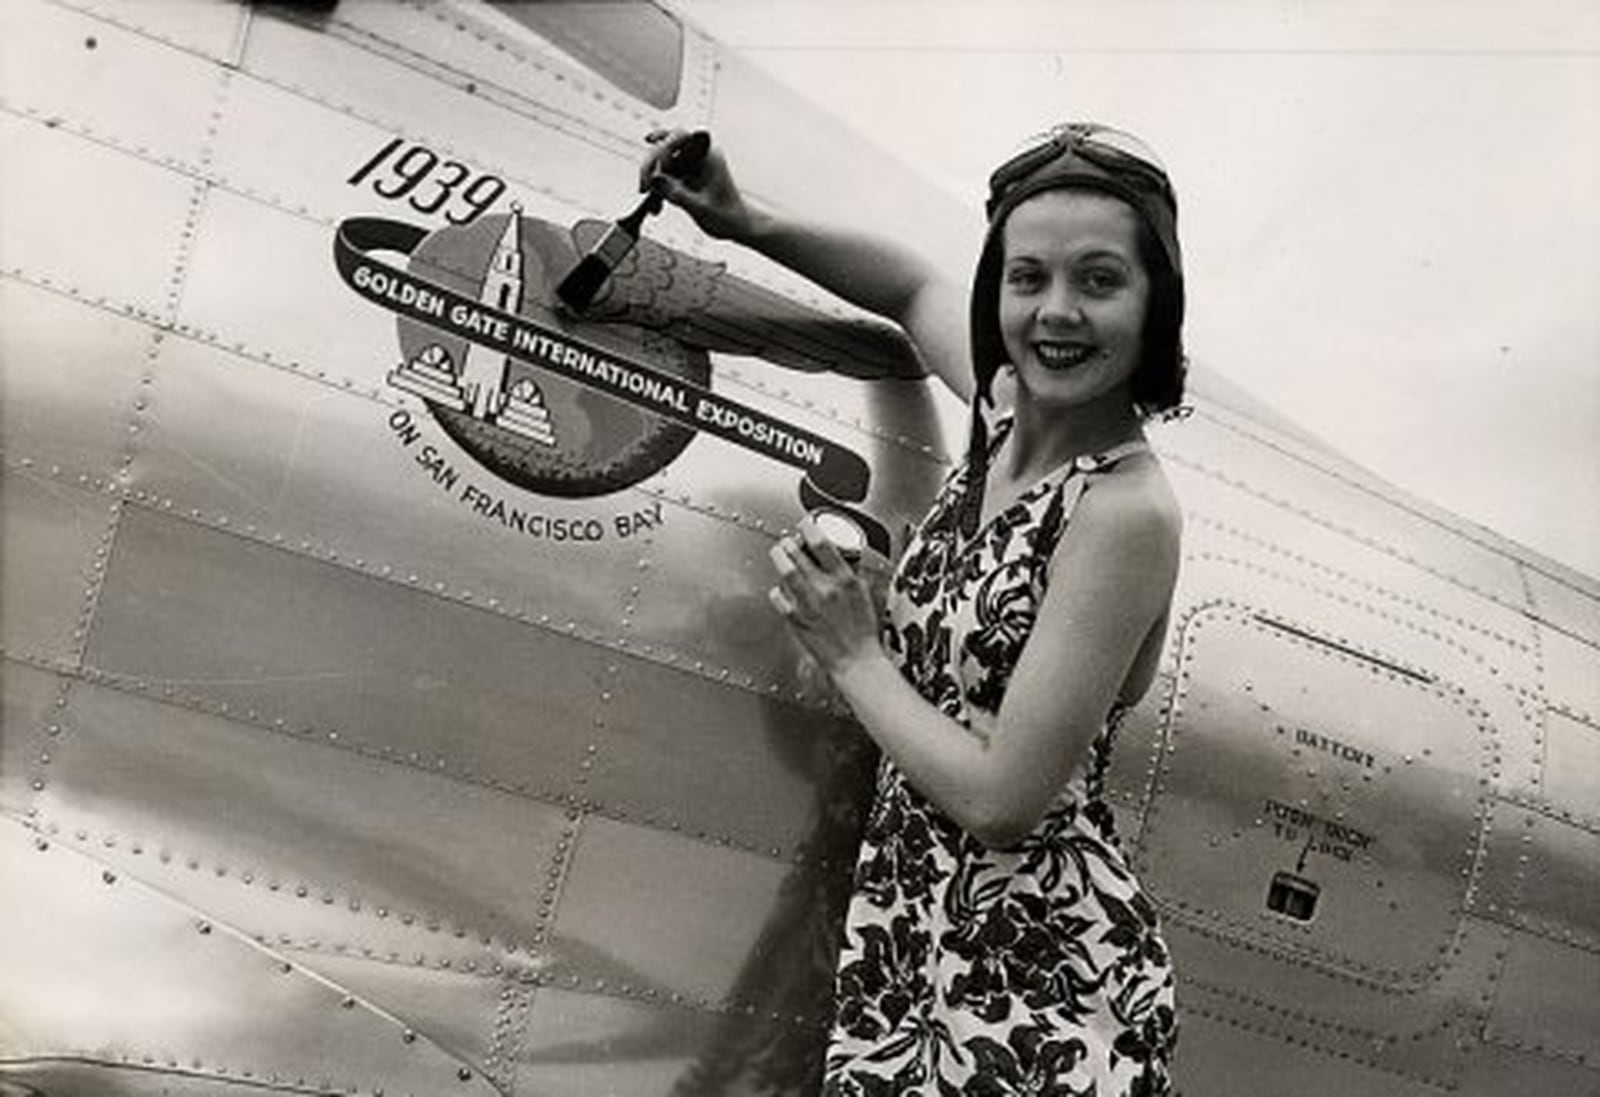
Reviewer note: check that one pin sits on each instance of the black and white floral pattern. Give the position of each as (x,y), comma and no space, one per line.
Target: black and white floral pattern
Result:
(1036,970)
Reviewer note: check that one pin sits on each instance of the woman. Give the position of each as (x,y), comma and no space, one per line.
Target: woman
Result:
(996,941)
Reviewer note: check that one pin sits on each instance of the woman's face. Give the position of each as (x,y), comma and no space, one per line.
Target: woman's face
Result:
(1073,295)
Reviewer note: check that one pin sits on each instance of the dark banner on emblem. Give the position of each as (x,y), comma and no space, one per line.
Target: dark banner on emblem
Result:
(831,471)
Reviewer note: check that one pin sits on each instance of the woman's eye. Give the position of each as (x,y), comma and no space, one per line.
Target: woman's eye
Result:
(1023,278)
(1103,281)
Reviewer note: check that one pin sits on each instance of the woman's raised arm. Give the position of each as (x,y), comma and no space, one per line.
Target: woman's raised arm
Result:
(878,275)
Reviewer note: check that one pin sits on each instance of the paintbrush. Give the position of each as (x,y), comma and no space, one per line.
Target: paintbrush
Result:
(577,290)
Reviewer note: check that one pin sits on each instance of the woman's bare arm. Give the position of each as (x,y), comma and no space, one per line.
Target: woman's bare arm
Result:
(1112,579)
(878,275)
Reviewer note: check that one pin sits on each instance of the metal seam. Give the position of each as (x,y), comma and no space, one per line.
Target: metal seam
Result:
(683,661)
(1350,601)
(1360,538)
(1368,490)
(1329,570)
(438,766)
(175,863)
(111,875)
(1445,1085)
(1298,1016)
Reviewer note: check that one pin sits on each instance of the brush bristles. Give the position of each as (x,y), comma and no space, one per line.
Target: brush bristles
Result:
(580,285)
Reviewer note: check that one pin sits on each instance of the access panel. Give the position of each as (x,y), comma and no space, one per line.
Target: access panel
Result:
(1318,798)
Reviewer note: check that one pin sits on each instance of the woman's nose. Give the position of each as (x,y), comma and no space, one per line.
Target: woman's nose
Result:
(1060,303)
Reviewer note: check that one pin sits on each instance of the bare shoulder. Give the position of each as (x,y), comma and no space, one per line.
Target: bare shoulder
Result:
(1126,528)
(1135,499)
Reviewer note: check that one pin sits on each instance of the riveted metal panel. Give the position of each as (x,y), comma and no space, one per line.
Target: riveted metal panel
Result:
(695,754)
(52,540)
(578,1044)
(263,129)
(78,71)
(714,617)
(1547,1001)
(287,460)
(401,93)
(457,1010)
(1249,459)
(96,218)
(1492,1070)
(1237,1061)
(1571,673)
(29,727)
(645,911)
(227,1007)
(1262,778)
(1497,886)
(1294,592)
(233,817)
(231,441)
(1572,767)
(71,381)
(1223,511)
(1558,897)
(193,26)
(1566,603)
(1493,670)
(1283,545)
(300,315)
(1136,759)
(53,1076)
(373,664)
(1412,1033)
(509,59)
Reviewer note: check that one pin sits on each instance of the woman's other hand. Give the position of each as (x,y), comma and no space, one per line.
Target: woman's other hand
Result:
(705,191)
(827,606)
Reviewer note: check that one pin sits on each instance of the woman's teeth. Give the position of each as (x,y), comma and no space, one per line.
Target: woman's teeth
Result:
(1063,355)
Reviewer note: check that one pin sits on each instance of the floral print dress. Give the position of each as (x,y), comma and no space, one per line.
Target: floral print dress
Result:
(1035,970)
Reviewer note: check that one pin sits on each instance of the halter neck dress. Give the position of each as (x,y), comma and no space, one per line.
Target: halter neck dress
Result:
(1033,970)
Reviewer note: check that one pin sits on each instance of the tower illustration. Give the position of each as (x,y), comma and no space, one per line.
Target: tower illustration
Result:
(483,372)
(478,384)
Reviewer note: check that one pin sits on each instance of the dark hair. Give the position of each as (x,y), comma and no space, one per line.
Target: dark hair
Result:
(1157,382)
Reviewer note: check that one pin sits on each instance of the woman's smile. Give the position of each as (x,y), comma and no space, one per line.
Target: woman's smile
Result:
(1062,355)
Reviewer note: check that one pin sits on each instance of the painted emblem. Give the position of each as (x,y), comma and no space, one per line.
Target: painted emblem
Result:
(557,411)
(550,434)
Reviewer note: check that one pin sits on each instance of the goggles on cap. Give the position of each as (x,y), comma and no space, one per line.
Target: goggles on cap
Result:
(1114,152)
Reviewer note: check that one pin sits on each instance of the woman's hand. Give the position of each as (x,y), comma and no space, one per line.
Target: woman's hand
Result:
(825,603)
(706,193)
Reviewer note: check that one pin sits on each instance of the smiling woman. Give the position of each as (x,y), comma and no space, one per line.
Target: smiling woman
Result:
(996,932)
